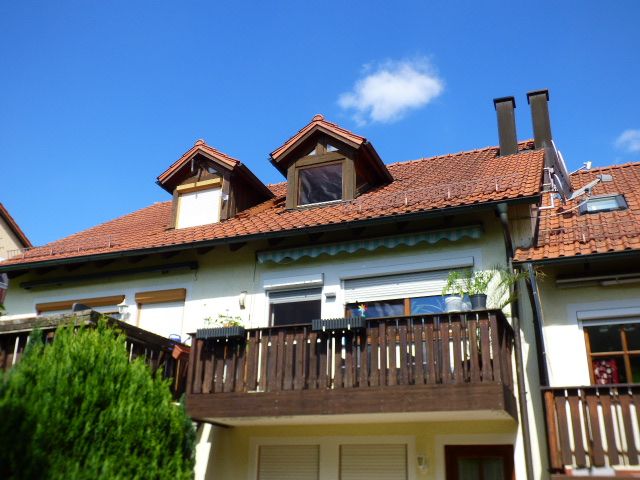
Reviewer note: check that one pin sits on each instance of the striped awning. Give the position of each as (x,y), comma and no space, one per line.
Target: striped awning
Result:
(289,255)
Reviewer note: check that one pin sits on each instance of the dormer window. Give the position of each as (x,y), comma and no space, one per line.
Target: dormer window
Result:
(319,184)
(209,186)
(198,204)
(325,163)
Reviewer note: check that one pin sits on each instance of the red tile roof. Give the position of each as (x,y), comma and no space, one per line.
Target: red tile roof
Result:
(564,232)
(461,179)
(17,231)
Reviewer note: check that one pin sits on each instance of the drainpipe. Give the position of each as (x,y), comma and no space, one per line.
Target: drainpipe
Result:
(538,323)
(515,320)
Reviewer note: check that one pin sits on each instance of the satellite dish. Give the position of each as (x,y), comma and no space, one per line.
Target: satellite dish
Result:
(560,175)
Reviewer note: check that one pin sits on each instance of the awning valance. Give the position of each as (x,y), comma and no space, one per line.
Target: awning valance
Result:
(411,239)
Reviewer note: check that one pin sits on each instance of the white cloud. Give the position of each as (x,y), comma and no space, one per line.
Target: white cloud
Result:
(391,89)
(629,140)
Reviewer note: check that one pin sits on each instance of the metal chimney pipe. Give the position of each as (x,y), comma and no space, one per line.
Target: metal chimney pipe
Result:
(539,101)
(506,125)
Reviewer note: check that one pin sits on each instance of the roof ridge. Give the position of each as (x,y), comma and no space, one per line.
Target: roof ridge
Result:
(462,152)
(606,167)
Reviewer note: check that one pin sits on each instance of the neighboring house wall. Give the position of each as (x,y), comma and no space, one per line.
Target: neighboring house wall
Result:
(8,240)
(564,336)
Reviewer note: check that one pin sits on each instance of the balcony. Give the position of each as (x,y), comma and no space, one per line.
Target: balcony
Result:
(594,427)
(163,356)
(397,365)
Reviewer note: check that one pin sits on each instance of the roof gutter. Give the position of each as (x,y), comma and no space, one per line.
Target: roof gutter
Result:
(488,206)
(578,258)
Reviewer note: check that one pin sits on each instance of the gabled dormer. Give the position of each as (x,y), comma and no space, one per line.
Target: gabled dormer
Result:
(325,163)
(209,186)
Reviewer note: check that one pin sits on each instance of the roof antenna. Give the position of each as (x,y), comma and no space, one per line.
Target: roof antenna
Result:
(585,166)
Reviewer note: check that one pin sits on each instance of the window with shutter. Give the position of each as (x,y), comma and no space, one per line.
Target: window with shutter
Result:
(288,462)
(373,462)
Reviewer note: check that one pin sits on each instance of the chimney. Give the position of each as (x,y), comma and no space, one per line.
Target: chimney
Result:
(506,125)
(539,101)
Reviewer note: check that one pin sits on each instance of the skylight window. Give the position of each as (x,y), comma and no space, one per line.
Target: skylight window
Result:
(603,203)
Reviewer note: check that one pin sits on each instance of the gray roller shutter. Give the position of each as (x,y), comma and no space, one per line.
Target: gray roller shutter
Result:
(289,462)
(373,462)
(406,285)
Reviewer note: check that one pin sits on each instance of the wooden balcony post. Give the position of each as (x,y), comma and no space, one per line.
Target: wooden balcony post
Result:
(555,460)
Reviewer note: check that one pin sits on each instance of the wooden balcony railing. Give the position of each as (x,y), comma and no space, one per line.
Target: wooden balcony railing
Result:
(594,426)
(157,351)
(294,367)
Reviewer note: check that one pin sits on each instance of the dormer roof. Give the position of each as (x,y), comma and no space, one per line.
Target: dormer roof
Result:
(280,157)
(181,168)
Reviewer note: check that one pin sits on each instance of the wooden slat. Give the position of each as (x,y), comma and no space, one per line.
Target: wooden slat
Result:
(264,361)
(577,430)
(199,358)
(405,358)
(218,369)
(207,382)
(392,355)
(555,459)
(363,357)
(597,446)
(446,351)
(625,403)
(299,373)
(456,334)
(280,361)
(563,432)
(252,361)
(474,355)
(348,360)
(382,353)
(289,352)
(612,450)
(274,347)
(312,346)
(496,341)
(230,354)
(432,369)
(338,371)
(417,340)
(374,371)
(485,350)
(324,352)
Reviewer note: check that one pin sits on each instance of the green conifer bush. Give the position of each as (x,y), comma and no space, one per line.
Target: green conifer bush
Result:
(78,409)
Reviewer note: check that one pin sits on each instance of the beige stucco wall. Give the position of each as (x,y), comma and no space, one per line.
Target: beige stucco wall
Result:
(8,240)
(232,452)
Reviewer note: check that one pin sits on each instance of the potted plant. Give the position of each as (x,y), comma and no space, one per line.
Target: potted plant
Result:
(453,292)
(476,284)
(223,326)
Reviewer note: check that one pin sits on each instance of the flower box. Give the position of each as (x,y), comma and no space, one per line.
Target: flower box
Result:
(220,332)
(354,323)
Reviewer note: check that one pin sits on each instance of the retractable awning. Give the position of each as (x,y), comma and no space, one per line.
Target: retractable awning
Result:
(288,255)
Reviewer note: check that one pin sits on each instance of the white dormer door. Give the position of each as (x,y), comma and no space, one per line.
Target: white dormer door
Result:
(201,207)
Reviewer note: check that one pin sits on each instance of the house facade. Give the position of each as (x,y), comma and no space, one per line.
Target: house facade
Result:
(349,365)
(12,238)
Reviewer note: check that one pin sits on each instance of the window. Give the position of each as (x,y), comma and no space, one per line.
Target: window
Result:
(393,295)
(373,462)
(201,207)
(161,311)
(614,352)
(479,462)
(603,203)
(283,462)
(322,183)
(292,307)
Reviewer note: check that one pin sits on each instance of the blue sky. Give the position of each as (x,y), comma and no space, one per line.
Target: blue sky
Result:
(98,98)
